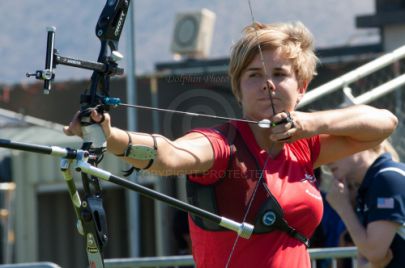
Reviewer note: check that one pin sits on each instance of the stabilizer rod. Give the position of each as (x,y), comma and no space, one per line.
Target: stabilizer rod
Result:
(245,230)
(42,149)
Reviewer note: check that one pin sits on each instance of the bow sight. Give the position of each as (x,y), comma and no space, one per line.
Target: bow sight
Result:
(108,30)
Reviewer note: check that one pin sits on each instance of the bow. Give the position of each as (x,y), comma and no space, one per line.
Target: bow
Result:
(90,213)
(89,210)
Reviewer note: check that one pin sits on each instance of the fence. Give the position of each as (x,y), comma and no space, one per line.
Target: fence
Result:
(389,63)
(31,265)
(332,254)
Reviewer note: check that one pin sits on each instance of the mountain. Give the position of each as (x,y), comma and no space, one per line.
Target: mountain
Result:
(24,22)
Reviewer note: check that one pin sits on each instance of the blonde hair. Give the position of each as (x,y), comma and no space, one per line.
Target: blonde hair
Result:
(294,40)
(386,147)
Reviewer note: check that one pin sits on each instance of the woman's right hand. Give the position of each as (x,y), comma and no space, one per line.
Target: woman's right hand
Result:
(338,195)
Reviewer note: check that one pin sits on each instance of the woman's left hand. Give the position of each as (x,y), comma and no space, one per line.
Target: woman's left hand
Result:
(74,128)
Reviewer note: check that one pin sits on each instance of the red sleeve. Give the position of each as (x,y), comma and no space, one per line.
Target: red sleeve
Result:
(315,147)
(221,150)
(307,149)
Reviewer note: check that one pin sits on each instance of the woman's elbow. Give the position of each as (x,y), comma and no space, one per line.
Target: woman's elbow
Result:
(388,124)
(392,121)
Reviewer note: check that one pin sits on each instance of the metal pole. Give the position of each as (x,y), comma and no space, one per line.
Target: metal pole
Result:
(132,197)
(369,96)
(352,76)
(162,223)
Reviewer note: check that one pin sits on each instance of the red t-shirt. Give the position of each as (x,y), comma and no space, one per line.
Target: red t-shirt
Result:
(295,189)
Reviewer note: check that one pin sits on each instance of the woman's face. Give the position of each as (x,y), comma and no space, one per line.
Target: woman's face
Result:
(346,169)
(282,81)
(353,167)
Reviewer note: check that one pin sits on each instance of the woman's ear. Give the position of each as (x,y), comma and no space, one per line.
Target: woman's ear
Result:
(301,91)
(303,87)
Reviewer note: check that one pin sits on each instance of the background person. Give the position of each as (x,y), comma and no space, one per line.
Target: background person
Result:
(378,230)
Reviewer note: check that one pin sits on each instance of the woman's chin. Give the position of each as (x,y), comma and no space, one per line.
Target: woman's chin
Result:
(258,117)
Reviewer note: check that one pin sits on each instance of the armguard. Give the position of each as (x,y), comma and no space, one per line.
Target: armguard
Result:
(140,152)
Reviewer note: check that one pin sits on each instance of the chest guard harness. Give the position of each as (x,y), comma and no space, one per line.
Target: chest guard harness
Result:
(233,190)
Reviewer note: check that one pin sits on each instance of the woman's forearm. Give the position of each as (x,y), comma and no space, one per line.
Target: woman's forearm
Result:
(359,122)
(179,157)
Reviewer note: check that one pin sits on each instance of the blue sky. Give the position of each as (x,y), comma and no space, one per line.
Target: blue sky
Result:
(23,34)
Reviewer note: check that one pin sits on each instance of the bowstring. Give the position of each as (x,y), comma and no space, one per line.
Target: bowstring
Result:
(259,181)
(261,57)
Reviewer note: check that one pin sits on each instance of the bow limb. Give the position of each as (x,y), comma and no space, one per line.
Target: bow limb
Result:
(108,30)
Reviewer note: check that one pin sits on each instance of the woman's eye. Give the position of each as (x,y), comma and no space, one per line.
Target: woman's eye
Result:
(254,75)
(280,74)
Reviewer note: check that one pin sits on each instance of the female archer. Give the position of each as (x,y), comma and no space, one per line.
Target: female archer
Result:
(249,173)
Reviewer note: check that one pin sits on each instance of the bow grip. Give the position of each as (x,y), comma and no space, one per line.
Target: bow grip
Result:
(92,131)
(94,134)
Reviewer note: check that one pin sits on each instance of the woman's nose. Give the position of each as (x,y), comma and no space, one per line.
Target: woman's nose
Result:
(269,85)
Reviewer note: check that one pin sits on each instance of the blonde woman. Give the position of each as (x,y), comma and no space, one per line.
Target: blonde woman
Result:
(270,69)
(374,181)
